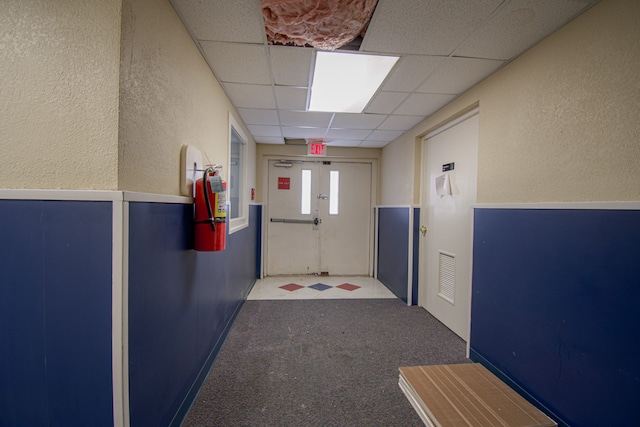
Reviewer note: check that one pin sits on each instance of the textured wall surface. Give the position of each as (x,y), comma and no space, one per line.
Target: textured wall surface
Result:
(561,122)
(566,124)
(169,97)
(397,185)
(59,94)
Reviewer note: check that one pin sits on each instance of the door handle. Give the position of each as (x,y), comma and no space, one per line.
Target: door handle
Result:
(424,230)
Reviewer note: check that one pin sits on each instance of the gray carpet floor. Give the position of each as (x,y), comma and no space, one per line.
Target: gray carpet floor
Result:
(321,363)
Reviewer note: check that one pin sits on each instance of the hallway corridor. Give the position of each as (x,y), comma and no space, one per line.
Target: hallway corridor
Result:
(321,363)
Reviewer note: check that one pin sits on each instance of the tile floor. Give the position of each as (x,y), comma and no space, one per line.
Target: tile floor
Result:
(318,287)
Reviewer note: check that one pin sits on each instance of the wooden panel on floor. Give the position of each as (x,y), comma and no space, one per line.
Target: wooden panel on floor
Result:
(466,395)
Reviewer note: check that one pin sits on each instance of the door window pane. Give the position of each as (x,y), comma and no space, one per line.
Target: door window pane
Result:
(334,192)
(305,205)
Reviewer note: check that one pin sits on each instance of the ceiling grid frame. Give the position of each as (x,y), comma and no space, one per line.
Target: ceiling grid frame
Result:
(229,24)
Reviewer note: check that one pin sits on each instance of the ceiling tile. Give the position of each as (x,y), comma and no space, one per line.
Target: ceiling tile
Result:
(422,104)
(384,135)
(402,123)
(518,26)
(252,116)
(373,144)
(357,121)
(410,71)
(386,102)
(237,21)
(429,27)
(305,118)
(291,65)
(291,98)
(250,96)
(347,133)
(344,143)
(294,132)
(269,140)
(458,74)
(238,62)
(445,48)
(261,130)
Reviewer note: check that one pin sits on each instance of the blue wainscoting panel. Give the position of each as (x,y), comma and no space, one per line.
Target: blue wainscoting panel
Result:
(393,249)
(255,213)
(55,313)
(415,256)
(181,306)
(554,309)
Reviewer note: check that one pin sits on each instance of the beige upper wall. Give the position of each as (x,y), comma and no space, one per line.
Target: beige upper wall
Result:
(169,97)
(59,94)
(560,123)
(397,172)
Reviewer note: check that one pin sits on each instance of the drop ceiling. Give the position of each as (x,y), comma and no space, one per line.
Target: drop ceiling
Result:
(445,47)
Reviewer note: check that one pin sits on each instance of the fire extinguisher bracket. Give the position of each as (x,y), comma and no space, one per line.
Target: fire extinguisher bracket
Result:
(191,166)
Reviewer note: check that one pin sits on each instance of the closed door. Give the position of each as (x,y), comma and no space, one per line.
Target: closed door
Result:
(450,181)
(319,218)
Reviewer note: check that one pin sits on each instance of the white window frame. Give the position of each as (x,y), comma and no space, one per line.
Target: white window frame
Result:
(242,221)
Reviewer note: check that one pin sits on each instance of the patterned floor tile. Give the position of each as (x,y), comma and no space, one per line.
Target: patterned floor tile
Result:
(320,287)
(348,287)
(291,287)
(298,287)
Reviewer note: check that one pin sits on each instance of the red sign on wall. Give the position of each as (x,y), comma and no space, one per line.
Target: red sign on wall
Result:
(284,183)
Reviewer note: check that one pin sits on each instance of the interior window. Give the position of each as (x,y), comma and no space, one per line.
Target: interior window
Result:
(236,192)
(235,175)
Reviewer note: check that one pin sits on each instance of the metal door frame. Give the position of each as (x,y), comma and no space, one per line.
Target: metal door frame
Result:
(304,159)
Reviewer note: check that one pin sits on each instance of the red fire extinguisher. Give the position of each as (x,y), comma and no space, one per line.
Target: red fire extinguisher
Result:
(210,212)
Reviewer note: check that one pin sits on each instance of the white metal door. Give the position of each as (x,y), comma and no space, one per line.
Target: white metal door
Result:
(319,218)
(292,238)
(345,231)
(450,183)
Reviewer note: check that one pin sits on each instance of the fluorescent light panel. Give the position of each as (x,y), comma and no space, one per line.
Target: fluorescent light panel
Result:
(345,82)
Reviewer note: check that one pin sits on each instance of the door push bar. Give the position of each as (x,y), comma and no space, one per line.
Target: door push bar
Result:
(293,221)
(315,221)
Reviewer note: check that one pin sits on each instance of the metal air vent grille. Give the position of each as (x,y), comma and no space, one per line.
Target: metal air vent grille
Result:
(447,277)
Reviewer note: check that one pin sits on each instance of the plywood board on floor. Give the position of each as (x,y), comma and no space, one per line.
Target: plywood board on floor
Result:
(467,395)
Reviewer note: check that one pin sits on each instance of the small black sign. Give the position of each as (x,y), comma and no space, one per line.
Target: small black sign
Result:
(448,167)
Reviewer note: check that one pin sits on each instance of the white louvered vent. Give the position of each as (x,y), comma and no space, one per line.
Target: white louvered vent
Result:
(447,285)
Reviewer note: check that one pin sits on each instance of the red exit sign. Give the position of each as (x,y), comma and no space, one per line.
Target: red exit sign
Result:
(317,149)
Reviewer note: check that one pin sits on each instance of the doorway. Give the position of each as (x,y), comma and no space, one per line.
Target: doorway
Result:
(449,191)
(318,218)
